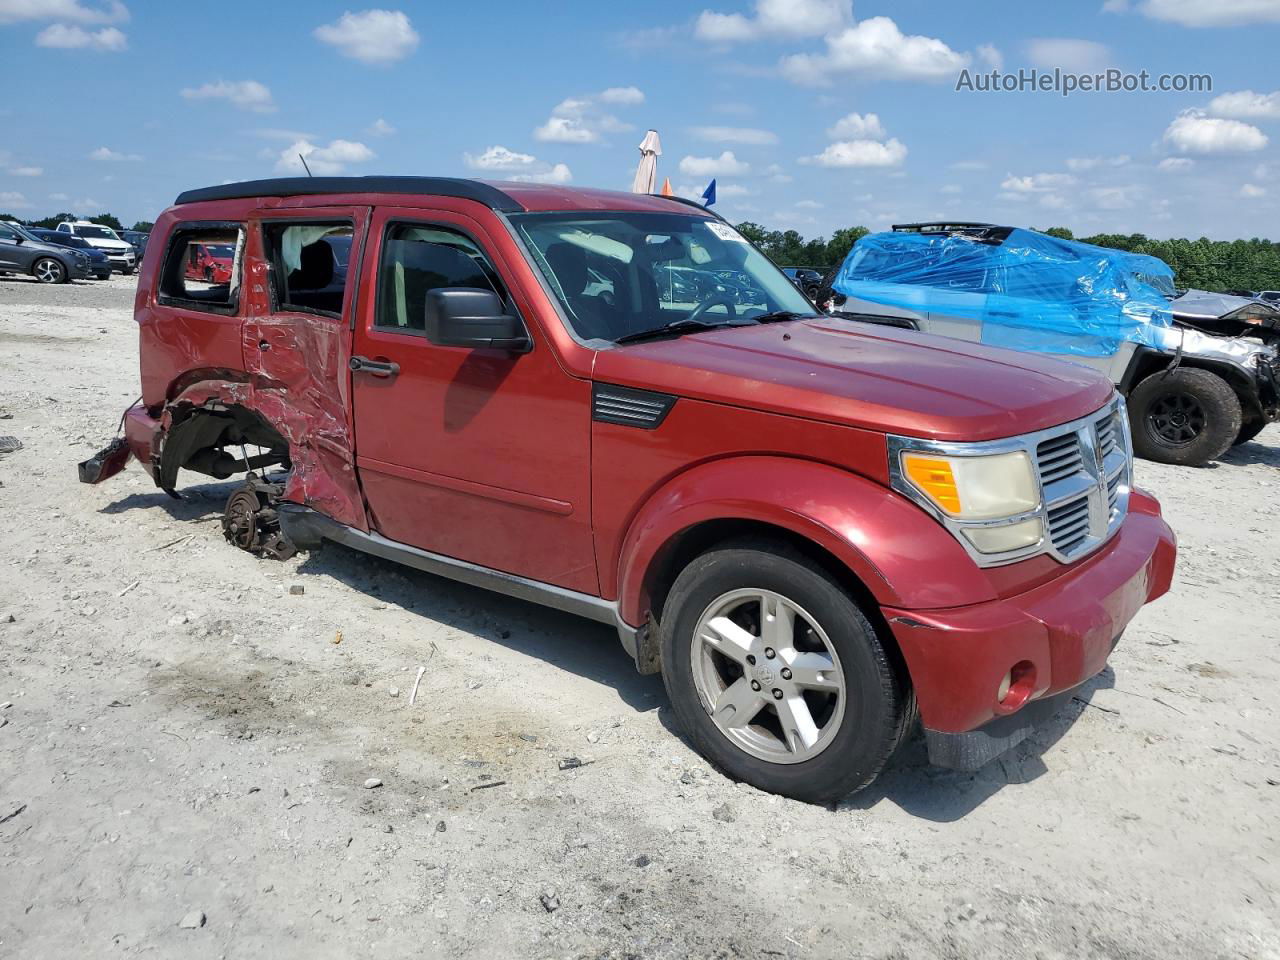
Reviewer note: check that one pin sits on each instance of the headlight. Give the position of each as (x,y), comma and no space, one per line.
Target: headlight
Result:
(975,488)
(983,494)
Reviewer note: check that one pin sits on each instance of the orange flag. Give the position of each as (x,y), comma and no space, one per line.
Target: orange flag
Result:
(666,188)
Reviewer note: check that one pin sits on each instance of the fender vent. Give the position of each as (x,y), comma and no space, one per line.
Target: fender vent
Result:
(629,408)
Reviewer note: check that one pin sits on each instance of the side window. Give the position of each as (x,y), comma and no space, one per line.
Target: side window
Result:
(8,233)
(309,265)
(418,259)
(210,281)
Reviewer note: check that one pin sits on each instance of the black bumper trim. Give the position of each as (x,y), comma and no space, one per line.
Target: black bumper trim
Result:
(975,749)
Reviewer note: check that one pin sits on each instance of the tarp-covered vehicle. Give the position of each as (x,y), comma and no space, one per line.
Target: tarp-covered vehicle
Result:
(1196,383)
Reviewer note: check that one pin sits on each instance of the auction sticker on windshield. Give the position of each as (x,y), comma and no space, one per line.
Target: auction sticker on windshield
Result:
(725,232)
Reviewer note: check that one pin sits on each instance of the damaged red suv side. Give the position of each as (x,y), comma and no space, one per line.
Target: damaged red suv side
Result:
(615,405)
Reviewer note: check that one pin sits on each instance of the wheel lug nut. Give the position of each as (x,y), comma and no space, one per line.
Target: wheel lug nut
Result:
(755,684)
(751,659)
(777,694)
(786,674)
(768,652)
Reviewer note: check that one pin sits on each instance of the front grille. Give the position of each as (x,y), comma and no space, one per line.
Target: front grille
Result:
(1058,458)
(1069,525)
(1107,434)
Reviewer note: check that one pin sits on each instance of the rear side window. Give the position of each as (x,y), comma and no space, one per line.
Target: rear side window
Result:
(202,266)
(417,259)
(309,265)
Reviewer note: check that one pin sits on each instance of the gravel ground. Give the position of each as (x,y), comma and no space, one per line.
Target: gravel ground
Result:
(189,745)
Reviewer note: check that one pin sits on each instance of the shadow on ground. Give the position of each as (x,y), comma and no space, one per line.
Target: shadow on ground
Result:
(1248,454)
(592,651)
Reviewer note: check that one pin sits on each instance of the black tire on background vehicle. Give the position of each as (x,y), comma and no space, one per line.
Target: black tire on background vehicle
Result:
(736,622)
(1251,427)
(127,271)
(1187,417)
(49,270)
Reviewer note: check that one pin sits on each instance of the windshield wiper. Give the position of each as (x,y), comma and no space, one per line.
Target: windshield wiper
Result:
(779,315)
(674,328)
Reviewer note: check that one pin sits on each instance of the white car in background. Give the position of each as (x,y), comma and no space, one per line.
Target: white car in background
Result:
(120,252)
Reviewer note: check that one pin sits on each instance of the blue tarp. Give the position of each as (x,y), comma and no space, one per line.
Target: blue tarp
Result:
(1030,292)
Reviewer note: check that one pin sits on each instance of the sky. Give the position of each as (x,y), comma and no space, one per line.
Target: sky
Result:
(811,114)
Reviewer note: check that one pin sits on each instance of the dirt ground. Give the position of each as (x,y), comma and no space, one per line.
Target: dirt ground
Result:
(185,734)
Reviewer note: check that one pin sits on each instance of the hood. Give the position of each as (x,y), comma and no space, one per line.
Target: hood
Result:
(1205,305)
(878,378)
(104,244)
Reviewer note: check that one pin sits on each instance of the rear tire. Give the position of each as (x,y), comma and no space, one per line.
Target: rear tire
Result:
(848,736)
(1187,417)
(1251,428)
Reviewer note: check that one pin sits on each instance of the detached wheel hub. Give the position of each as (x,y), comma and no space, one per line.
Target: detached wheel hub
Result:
(251,523)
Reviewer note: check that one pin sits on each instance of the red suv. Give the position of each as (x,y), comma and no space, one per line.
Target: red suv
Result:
(209,262)
(811,527)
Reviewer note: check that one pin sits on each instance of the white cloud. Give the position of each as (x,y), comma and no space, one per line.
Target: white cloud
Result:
(106,153)
(991,56)
(380,128)
(580,119)
(1245,104)
(1218,13)
(1114,198)
(773,18)
(499,158)
(1192,131)
(275,133)
(565,130)
(776,174)
(61,36)
(1078,56)
(245,94)
(26,171)
(809,204)
(15,11)
(1037,182)
(371,36)
(860,153)
(1079,164)
(749,135)
(13,200)
(326,160)
(559,173)
(1252,192)
(1115,6)
(1175,164)
(875,46)
(58,197)
(724,165)
(857,126)
(622,96)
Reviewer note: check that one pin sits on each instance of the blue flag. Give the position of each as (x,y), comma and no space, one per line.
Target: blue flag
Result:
(709,194)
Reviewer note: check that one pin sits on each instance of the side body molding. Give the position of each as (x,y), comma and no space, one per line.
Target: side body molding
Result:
(903,557)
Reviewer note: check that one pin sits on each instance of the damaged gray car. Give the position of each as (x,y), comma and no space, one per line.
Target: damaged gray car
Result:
(1200,370)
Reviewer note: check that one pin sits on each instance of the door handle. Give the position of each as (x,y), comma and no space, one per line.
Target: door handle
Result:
(378,368)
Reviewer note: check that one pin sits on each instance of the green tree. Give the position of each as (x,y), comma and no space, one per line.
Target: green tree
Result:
(143,226)
(107,220)
(50,223)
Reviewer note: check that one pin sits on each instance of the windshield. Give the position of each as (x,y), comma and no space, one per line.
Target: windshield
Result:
(98,233)
(221,250)
(619,274)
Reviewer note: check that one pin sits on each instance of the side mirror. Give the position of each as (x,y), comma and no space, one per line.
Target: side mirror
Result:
(470,317)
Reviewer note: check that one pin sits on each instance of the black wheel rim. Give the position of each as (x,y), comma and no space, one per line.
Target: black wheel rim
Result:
(1176,419)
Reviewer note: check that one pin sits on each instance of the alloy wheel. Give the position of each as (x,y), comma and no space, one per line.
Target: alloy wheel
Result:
(768,675)
(1176,418)
(48,271)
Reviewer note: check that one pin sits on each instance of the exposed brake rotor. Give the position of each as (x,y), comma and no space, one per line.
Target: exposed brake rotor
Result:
(251,523)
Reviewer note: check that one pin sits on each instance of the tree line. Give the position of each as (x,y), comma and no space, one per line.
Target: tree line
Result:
(1204,264)
(106,219)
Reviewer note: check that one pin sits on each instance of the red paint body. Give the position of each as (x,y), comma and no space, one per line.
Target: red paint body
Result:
(203,264)
(493,457)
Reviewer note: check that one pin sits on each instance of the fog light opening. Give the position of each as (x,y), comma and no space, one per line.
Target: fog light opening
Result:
(1016,687)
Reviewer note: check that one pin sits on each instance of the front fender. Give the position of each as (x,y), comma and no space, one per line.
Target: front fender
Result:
(904,557)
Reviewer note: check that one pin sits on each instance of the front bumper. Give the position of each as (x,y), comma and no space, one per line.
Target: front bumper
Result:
(80,271)
(1054,638)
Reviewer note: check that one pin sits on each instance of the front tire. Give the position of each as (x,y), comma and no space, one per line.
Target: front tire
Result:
(49,270)
(777,676)
(1187,416)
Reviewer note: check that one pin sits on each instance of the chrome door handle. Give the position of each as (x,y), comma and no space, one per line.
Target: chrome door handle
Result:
(378,368)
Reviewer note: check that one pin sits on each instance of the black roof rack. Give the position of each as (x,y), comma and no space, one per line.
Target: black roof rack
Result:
(484,193)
